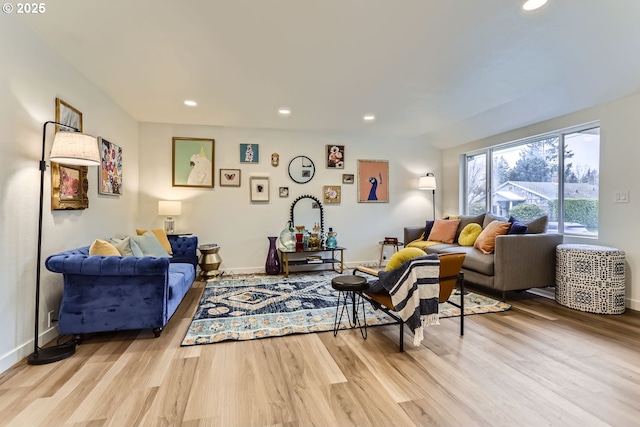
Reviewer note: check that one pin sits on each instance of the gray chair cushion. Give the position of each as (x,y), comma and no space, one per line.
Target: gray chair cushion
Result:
(474,260)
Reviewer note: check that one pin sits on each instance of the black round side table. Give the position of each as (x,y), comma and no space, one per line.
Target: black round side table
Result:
(350,287)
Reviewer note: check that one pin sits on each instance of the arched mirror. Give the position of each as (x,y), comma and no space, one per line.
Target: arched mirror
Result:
(301,169)
(307,210)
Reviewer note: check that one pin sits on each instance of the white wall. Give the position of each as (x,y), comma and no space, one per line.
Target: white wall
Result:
(225,215)
(31,77)
(619,153)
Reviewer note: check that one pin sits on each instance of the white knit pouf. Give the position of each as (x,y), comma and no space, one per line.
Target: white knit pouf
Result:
(590,278)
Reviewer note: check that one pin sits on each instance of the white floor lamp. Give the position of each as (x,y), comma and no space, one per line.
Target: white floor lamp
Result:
(428,182)
(72,148)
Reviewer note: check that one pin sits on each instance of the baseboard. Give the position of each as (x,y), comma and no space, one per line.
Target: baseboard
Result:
(633,304)
(14,356)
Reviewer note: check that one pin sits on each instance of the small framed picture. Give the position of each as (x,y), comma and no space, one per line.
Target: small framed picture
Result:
(249,153)
(348,178)
(335,156)
(229,177)
(283,191)
(331,193)
(259,188)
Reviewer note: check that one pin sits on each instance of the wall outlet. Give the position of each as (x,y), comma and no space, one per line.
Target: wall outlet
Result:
(51,318)
(621,196)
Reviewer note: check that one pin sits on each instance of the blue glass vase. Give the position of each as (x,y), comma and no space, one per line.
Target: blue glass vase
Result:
(272,265)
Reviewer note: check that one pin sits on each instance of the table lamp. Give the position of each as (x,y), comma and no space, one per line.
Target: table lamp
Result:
(169,208)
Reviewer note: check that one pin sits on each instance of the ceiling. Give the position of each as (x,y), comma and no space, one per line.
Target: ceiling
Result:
(449,71)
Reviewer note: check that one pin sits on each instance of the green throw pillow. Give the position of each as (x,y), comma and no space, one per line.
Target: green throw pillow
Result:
(150,245)
(402,256)
(123,246)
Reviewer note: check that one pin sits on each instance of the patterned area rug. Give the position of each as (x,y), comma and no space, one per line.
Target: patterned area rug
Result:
(253,307)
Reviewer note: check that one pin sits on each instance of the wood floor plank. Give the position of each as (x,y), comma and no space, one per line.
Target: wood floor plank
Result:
(538,364)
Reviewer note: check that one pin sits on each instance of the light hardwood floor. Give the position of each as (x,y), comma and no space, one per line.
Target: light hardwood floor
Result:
(538,364)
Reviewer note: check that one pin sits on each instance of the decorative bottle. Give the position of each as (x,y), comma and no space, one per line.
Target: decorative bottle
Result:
(287,237)
(272,265)
(331,239)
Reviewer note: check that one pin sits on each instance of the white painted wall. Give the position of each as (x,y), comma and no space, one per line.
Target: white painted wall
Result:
(619,153)
(225,215)
(31,77)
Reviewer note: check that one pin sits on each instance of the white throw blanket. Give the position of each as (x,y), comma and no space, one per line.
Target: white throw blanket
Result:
(414,289)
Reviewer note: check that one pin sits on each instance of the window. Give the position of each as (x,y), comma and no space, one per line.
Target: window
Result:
(527,177)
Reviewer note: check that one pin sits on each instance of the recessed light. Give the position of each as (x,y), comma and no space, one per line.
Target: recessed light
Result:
(533,4)
(369,117)
(284,111)
(190,103)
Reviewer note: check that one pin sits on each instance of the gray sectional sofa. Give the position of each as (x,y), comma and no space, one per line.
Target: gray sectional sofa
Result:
(520,261)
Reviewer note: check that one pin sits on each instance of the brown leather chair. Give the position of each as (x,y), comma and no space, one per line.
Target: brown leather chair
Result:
(450,276)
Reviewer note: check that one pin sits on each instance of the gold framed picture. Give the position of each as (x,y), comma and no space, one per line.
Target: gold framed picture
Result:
(332,193)
(69,184)
(69,187)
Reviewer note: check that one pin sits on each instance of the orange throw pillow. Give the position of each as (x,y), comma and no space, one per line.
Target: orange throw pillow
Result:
(486,241)
(444,230)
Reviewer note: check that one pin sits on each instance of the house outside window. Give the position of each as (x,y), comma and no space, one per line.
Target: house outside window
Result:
(527,177)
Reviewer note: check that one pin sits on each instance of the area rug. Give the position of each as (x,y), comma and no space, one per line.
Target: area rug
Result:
(271,306)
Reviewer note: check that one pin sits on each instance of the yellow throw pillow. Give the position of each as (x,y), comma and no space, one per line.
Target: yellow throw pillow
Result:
(469,234)
(444,230)
(162,238)
(104,248)
(402,256)
(486,241)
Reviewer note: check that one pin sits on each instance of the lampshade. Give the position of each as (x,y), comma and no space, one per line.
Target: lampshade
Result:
(427,182)
(75,148)
(169,207)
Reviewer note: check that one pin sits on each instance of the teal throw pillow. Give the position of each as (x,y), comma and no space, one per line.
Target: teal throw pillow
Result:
(150,245)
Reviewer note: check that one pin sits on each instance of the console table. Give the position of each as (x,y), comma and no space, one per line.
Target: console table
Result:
(286,261)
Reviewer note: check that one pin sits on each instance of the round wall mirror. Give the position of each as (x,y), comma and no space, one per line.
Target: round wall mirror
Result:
(301,169)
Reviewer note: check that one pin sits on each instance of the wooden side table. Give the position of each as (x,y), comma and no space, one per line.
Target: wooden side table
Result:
(383,244)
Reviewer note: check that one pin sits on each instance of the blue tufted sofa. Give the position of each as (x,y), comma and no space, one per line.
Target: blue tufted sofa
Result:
(119,293)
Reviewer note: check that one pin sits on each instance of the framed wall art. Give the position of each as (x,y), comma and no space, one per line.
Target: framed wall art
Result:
(67,115)
(335,156)
(283,191)
(331,193)
(229,177)
(259,188)
(373,181)
(193,160)
(110,174)
(69,186)
(249,153)
(348,178)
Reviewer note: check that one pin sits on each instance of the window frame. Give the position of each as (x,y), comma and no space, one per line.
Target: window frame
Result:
(488,152)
